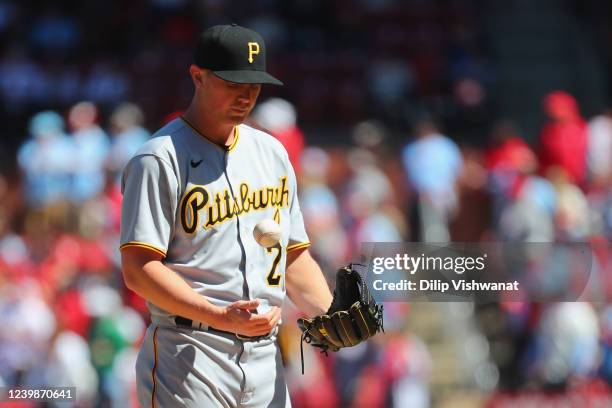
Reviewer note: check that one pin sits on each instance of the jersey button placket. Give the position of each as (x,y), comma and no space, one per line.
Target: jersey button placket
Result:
(241,237)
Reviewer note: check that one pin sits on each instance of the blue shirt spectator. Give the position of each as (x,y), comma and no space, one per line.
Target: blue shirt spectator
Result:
(126,126)
(91,148)
(432,162)
(45,160)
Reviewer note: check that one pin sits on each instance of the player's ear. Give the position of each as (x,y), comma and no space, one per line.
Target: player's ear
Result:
(197,75)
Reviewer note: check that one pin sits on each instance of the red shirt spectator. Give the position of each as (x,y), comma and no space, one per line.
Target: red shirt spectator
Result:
(511,154)
(563,141)
(279,117)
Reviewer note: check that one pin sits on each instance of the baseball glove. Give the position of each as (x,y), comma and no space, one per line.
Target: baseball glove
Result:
(353,316)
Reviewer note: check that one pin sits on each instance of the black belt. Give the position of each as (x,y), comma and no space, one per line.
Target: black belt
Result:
(188,323)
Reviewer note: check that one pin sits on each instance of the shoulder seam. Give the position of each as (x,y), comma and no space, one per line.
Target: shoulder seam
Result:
(156,156)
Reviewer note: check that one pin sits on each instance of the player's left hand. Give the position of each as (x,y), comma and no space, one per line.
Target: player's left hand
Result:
(353,317)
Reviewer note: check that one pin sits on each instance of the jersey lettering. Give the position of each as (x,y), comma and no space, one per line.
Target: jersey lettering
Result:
(193,202)
(272,278)
(223,207)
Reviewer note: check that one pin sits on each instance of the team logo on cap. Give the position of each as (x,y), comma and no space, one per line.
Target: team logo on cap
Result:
(253,50)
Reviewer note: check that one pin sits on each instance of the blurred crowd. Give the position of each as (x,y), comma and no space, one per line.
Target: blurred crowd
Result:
(68,316)
(70,319)
(434,165)
(431,189)
(59,52)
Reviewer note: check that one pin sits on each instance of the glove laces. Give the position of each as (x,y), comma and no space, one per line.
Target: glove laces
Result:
(306,338)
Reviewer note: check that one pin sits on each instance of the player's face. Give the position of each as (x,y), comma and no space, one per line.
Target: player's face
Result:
(231,102)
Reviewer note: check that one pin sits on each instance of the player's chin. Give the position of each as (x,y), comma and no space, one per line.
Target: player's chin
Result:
(237,117)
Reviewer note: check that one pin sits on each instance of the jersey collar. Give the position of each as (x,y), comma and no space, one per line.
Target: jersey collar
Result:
(224,148)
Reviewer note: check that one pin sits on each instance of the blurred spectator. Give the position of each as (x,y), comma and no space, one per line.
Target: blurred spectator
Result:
(573,216)
(509,160)
(116,328)
(390,80)
(279,117)
(23,348)
(121,382)
(473,217)
(369,185)
(600,204)
(524,202)
(528,216)
(126,124)
(368,200)
(433,165)
(71,311)
(599,159)
(70,365)
(369,135)
(563,140)
(540,192)
(406,364)
(45,160)
(566,343)
(321,211)
(91,149)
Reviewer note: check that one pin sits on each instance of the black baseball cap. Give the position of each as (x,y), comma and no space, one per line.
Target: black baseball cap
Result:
(235,54)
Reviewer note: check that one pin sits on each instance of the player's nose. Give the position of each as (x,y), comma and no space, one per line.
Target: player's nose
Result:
(248,92)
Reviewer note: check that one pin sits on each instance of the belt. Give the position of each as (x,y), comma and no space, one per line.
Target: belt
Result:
(181,321)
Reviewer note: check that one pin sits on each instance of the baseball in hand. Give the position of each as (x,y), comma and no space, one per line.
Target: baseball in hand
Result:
(267,233)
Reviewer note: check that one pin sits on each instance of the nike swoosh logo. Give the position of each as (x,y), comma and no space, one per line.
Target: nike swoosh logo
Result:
(195,164)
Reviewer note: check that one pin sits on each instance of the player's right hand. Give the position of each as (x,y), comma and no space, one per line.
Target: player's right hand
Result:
(238,317)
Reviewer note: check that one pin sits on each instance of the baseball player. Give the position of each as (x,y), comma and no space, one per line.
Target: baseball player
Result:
(192,196)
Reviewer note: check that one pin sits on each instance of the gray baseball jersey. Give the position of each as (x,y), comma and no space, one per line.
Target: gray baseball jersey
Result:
(196,204)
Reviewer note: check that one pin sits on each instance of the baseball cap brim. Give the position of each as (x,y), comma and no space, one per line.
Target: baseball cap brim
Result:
(248,77)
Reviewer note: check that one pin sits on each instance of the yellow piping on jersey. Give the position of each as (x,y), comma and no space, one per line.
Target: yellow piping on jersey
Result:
(143,245)
(154,367)
(236,137)
(298,246)
(224,148)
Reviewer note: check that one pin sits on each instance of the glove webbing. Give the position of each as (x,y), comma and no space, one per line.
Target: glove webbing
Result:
(367,298)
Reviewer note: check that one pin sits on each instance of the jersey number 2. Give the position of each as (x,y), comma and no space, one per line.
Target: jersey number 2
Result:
(272,278)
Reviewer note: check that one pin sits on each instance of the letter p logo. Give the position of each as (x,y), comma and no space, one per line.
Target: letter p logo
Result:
(253,50)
